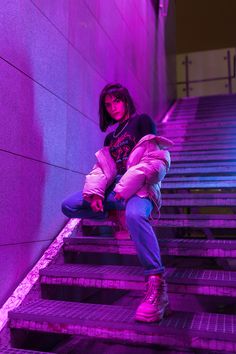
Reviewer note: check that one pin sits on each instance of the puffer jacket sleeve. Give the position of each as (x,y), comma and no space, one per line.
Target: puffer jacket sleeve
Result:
(150,170)
(95,183)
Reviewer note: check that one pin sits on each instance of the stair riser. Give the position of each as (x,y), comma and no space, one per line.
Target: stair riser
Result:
(199,202)
(188,120)
(191,117)
(178,165)
(170,179)
(165,127)
(201,139)
(172,251)
(202,158)
(199,185)
(221,113)
(225,224)
(194,131)
(202,171)
(132,285)
(206,147)
(204,144)
(176,338)
(228,154)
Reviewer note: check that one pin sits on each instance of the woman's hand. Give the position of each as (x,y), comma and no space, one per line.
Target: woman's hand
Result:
(96,203)
(118,196)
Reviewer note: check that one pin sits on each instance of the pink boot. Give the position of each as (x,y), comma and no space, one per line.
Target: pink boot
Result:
(155,302)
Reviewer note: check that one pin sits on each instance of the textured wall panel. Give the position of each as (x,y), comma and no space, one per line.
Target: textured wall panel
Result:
(17,260)
(35,124)
(30,42)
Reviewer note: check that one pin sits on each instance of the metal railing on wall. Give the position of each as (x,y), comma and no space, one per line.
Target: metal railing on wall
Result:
(187,82)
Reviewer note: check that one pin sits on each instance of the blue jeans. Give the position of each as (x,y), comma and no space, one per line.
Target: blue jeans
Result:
(137,211)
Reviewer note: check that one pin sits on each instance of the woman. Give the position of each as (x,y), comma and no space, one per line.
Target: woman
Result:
(127,175)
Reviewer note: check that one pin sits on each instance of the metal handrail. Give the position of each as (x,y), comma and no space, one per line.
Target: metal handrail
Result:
(187,82)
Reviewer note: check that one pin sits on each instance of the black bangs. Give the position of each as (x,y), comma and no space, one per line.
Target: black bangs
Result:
(120,92)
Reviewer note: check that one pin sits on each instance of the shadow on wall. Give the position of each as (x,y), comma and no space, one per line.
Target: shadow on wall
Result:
(23,178)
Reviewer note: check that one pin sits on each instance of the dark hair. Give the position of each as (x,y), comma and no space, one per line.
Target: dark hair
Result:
(120,92)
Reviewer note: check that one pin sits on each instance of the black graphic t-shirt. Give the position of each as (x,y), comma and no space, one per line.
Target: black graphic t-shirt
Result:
(126,136)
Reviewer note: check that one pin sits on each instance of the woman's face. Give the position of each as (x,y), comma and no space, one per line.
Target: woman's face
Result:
(115,108)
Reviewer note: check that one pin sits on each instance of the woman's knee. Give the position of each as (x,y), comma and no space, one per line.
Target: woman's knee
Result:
(72,204)
(134,215)
(137,209)
(65,208)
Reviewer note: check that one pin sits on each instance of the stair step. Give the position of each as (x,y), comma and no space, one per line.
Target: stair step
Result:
(191,281)
(205,147)
(191,113)
(201,171)
(199,103)
(198,131)
(203,164)
(211,108)
(189,118)
(196,221)
(182,220)
(201,157)
(204,330)
(201,138)
(198,124)
(204,142)
(227,153)
(200,178)
(182,113)
(198,115)
(199,199)
(167,185)
(209,101)
(175,247)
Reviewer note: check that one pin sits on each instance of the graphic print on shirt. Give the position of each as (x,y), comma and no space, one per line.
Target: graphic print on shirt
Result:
(120,150)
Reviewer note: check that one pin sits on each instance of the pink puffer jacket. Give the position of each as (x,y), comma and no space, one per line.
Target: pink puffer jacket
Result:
(147,165)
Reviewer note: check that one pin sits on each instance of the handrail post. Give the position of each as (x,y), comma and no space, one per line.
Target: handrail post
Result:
(228,58)
(186,63)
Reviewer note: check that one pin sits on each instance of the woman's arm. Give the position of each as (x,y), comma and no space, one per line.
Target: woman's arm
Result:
(151,169)
(95,183)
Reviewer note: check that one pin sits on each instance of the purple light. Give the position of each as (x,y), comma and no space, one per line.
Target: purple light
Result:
(27,283)
(164,7)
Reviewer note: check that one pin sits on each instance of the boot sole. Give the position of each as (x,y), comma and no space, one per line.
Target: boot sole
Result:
(157,317)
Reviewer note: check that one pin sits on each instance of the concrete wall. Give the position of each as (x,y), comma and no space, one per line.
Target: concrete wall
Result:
(56,56)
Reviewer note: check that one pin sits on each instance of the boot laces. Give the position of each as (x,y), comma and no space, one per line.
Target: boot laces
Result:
(154,291)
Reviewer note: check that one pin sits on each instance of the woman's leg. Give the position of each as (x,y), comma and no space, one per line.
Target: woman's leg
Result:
(138,211)
(155,302)
(76,207)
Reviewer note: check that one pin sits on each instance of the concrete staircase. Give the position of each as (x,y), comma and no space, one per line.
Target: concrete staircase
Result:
(93,290)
